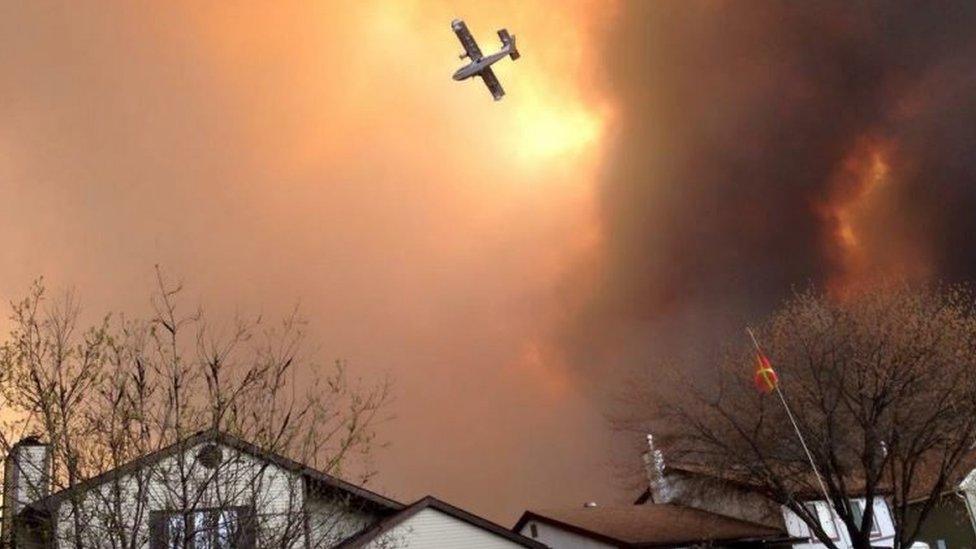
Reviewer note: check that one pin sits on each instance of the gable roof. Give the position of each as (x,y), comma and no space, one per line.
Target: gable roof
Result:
(705,473)
(742,482)
(654,525)
(325,480)
(383,526)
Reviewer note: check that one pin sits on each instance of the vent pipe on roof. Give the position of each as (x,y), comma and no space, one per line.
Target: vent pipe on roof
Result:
(589,504)
(657,483)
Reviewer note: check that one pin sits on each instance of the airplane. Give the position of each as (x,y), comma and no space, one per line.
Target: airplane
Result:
(481,65)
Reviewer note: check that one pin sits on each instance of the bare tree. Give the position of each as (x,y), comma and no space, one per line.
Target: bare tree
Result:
(883,386)
(105,395)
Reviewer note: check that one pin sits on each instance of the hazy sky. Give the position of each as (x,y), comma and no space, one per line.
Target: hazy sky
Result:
(658,174)
(319,153)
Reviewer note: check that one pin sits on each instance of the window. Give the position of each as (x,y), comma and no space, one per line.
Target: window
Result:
(226,528)
(175,530)
(534,530)
(824,516)
(857,508)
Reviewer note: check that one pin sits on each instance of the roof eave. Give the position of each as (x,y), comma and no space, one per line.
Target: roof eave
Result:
(51,502)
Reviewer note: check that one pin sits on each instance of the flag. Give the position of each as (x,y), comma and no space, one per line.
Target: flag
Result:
(765,376)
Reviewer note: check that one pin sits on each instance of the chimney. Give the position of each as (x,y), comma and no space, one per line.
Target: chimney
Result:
(26,479)
(657,484)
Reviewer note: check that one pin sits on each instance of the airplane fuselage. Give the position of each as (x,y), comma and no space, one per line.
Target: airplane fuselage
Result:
(480,64)
(475,67)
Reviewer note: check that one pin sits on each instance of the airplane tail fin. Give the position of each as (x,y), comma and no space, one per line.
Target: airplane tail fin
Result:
(509,40)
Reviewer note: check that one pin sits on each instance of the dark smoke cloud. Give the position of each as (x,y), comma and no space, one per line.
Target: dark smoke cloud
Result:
(739,131)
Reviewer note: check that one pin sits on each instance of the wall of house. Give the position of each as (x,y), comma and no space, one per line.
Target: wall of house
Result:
(276,494)
(723,498)
(331,521)
(968,488)
(432,529)
(948,525)
(882,517)
(558,538)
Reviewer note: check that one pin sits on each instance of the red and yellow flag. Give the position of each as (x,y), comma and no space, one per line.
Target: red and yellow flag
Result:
(765,376)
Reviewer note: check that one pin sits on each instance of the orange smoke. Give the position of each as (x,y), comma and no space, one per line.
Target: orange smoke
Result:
(861,247)
(275,152)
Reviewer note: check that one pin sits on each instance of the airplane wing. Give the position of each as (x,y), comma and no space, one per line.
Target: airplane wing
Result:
(492,82)
(464,35)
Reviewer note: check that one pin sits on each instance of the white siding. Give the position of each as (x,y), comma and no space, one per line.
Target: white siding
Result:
(276,494)
(968,487)
(718,498)
(882,517)
(432,529)
(557,538)
(330,522)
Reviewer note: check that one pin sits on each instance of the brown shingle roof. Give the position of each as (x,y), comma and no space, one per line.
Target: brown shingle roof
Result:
(742,481)
(926,473)
(922,480)
(653,525)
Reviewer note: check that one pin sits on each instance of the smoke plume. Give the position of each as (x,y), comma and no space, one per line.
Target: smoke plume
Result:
(763,146)
(659,174)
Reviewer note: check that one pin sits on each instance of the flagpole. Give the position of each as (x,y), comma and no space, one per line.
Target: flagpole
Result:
(803,443)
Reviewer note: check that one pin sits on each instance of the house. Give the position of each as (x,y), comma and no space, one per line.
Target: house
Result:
(433,523)
(690,505)
(704,489)
(216,491)
(722,492)
(651,525)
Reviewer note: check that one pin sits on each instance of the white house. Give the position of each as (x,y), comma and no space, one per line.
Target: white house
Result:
(693,506)
(705,489)
(215,491)
(433,524)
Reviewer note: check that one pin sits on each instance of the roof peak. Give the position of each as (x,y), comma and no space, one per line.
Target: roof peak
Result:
(222,437)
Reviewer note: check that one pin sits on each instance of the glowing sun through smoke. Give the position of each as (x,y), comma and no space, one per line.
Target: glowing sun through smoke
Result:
(546,131)
(321,152)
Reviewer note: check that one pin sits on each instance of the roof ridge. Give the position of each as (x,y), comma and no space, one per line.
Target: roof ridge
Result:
(541,512)
(431,502)
(214,434)
(658,525)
